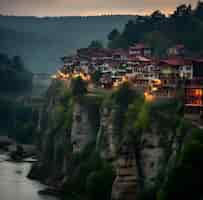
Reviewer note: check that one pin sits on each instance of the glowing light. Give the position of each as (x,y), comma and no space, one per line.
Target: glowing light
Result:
(117,82)
(149,97)
(54,76)
(157,82)
(198,92)
(85,77)
(65,76)
(154,89)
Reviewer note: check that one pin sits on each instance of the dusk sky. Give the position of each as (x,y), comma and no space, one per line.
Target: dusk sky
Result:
(87,7)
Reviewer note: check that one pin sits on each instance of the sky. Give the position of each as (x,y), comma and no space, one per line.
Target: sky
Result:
(87,7)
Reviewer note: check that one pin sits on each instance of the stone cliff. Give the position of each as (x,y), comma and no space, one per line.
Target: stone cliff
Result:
(139,156)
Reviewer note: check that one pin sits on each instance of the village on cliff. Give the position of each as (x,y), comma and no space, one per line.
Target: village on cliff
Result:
(157,78)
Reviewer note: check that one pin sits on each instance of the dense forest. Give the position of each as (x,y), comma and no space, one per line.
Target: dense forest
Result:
(14,77)
(16,120)
(184,26)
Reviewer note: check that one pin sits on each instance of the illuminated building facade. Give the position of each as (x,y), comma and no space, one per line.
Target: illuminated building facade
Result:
(194,95)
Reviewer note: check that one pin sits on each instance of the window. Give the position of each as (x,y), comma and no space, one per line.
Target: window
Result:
(188,68)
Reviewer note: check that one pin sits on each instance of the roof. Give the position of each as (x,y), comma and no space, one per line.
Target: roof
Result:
(140,46)
(139,59)
(177,61)
(120,52)
(198,60)
(180,46)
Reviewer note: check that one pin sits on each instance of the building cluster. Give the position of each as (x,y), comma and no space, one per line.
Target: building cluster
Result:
(158,78)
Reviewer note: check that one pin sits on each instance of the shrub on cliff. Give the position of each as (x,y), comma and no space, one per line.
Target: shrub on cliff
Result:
(90,177)
(99,183)
(185,180)
(124,95)
(78,88)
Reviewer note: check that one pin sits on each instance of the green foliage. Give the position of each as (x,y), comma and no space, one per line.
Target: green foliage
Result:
(99,183)
(124,95)
(96,44)
(113,35)
(148,194)
(116,40)
(65,110)
(185,179)
(143,118)
(13,75)
(78,87)
(158,41)
(90,177)
(93,105)
(183,26)
(17,121)
(199,10)
(96,77)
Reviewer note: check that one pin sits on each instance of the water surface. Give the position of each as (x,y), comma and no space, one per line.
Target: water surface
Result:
(15,186)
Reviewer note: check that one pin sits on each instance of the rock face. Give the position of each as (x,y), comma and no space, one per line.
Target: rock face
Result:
(151,155)
(137,165)
(81,128)
(106,135)
(126,184)
(57,142)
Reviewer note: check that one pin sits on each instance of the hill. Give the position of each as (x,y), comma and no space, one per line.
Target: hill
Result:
(42,41)
(183,26)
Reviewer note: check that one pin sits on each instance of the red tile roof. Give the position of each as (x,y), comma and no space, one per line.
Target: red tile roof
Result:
(176,61)
(140,46)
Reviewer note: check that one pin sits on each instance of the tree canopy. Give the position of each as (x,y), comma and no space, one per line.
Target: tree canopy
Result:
(96,44)
(184,26)
(79,87)
(13,75)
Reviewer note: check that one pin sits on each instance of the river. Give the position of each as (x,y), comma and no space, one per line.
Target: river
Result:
(15,186)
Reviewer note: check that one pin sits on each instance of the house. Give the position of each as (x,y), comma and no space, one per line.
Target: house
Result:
(197,68)
(169,76)
(142,70)
(120,55)
(194,96)
(177,50)
(140,50)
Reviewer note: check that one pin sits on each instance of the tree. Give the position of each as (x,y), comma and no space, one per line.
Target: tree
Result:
(157,15)
(96,44)
(79,88)
(124,95)
(199,10)
(113,35)
(183,10)
(13,75)
(158,41)
(96,76)
(184,180)
(130,32)
(99,184)
(17,63)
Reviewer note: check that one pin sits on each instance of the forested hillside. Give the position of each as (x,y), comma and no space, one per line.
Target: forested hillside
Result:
(184,26)
(14,77)
(16,119)
(42,41)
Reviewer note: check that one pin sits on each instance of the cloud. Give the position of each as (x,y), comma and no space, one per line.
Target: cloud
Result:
(86,7)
